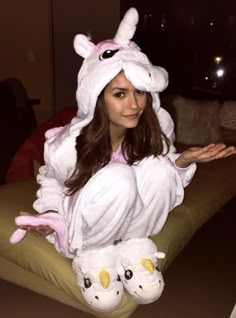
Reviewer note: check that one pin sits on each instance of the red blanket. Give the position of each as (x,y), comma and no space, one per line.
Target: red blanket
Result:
(22,167)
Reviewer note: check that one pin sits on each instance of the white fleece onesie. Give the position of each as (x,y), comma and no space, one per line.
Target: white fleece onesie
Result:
(119,201)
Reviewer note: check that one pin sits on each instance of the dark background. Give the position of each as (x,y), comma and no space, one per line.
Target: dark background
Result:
(185,37)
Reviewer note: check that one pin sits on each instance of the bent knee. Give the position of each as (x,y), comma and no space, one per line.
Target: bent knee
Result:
(121,174)
(119,177)
(157,171)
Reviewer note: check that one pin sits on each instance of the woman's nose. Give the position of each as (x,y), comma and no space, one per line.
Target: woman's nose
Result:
(133,102)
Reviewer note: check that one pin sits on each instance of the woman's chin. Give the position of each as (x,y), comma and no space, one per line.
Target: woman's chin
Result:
(131,124)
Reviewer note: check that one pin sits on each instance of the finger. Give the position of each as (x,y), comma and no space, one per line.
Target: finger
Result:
(44,230)
(41,230)
(24,213)
(229,153)
(46,233)
(42,233)
(25,227)
(216,155)
(208,149)
(37,233)
(206,157)
(217,152)
(226,152)
(219,147)
(232,149)
(214,149)
(37,228)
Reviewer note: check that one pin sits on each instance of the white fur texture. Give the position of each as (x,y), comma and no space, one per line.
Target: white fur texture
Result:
(141,284)
(105,60)
(88,266)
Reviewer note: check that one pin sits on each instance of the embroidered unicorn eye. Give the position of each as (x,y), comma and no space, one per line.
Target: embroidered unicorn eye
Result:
(87,283)
(128,274)
(107,54)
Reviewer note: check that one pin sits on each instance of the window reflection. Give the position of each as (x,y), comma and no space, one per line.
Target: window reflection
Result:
(199,51)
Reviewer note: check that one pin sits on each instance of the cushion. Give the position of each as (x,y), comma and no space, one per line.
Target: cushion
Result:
(228,115)
(35,255)
(229,136)
(22,166)
(197,121)
(39,267)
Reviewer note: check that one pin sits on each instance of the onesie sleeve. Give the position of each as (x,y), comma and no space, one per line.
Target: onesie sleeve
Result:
(49,192)
(60,159)
(167,126)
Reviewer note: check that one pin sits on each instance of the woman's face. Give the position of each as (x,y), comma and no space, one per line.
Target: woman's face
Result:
(124,103)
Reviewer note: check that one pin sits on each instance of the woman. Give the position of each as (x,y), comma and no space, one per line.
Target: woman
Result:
(113,172)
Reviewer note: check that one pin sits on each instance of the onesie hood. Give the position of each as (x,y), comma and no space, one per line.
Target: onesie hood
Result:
(103,61)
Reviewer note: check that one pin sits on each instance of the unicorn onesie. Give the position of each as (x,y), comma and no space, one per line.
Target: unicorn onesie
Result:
(119,202)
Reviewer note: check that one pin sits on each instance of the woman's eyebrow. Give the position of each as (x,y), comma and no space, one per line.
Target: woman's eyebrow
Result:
(119,88)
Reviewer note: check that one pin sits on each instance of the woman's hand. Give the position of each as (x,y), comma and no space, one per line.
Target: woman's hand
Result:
(42,230)
(204,154)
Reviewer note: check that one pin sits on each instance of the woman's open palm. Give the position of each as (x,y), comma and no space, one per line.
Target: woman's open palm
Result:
(204,154)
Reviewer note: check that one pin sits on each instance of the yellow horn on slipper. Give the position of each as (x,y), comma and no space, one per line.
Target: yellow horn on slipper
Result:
(104,277)
(148,264)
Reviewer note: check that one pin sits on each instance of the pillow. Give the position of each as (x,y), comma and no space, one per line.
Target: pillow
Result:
(228,115)
(24,163)
(197,121)
(229,136)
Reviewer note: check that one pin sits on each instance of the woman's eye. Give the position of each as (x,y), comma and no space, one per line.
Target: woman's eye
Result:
(140,92)
(119,94)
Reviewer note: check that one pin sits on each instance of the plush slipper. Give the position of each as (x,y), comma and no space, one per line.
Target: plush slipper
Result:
(98,279)
(139,271)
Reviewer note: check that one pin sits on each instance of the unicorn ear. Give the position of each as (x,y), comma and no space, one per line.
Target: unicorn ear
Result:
(83,46)
(127,27)
(159,255)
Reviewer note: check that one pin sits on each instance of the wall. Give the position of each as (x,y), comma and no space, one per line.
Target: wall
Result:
(100,18)
(26,49)
(37,45)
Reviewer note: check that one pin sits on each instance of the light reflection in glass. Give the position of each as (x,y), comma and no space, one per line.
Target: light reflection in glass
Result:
(220,72)
(218,59)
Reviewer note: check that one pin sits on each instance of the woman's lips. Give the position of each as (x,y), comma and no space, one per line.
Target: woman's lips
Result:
(132,116)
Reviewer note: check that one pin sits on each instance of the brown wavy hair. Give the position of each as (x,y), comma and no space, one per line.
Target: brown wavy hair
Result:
(94,148)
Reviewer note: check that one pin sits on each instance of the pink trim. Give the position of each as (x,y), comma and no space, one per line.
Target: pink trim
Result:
(117,156)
